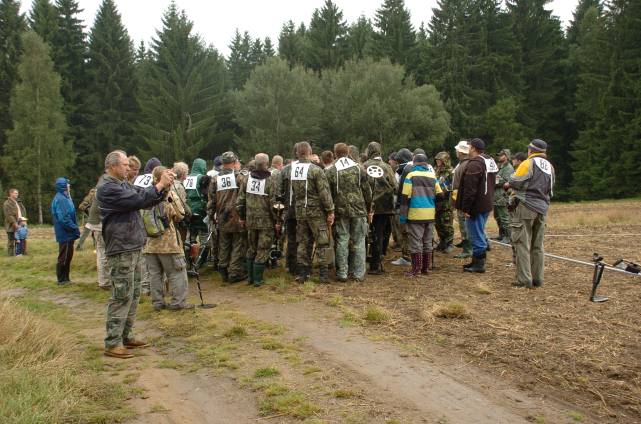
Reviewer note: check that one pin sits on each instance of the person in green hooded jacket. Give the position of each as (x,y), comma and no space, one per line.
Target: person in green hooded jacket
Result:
(500,196)
(197,200)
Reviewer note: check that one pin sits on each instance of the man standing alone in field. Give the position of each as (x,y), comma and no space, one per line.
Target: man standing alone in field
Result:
(532,183)
(124,237)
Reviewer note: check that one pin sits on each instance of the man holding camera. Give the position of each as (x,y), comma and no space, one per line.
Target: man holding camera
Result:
(124,236)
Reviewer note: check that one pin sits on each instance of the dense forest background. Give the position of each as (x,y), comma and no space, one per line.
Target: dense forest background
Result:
(505,71)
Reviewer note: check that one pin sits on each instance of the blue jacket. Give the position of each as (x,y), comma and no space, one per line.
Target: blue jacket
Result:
(22,232)
(63,212)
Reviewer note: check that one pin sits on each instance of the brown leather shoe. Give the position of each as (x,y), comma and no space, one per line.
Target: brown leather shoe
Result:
(134,344)
(118,352)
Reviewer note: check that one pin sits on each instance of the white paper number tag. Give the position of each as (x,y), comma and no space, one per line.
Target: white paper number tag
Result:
(344,163)
(255,186)
(299,171)
(190,182)
(143,180)
(226,182)
(543,165)
(375,171)
(490,166)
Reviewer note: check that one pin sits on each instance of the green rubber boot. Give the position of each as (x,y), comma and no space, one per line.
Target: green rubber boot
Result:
(467,250)
(258,270)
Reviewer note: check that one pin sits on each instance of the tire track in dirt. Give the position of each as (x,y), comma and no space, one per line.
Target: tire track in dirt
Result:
(427,390)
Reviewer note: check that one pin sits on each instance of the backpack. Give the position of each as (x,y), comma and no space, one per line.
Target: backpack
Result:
(154,221)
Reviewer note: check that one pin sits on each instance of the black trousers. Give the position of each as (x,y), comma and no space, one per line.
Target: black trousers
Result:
(381,231)
(65,255)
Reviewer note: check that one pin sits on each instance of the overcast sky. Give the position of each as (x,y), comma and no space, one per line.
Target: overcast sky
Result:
(217,20)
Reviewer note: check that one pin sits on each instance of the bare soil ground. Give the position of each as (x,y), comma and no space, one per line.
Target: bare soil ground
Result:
(447,348)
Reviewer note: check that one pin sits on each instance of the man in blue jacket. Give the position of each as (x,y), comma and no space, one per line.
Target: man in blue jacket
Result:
(65,225)
(124,236)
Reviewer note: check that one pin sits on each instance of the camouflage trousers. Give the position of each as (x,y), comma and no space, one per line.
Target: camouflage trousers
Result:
(124,276)
(350,231)
(502,219)
(444,223)
(308,232)
(259,242)
(231,251)
(460,217)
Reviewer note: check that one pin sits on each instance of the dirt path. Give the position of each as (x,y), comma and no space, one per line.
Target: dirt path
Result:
(429,390)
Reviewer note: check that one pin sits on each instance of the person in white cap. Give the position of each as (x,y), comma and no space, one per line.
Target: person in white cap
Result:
(462,154)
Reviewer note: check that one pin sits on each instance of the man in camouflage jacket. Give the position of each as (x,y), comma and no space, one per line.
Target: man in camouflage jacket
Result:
(314,212)
(223,193)
(352,197)
(444,211)
(255,204)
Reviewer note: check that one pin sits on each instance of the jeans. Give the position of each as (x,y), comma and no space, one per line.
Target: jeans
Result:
(476,233)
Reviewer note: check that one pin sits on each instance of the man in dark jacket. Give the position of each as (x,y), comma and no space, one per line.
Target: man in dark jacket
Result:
(124,237)
(65,225)
(475,200)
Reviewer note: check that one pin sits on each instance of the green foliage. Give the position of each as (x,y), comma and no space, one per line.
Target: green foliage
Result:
(370,100)
(182,85)
(359,38)
(11,26)
(327,38)
(277,105)
(111,108)
(36,150)
(43,20)
(394,37)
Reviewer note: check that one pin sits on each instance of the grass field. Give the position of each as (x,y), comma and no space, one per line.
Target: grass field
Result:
(551,343)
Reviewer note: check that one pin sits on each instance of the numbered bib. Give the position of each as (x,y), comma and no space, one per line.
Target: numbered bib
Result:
(299,171)
(344,163)
(255,186)
(143,180)
(226,182)
(543,165)
(190,182)
(375,171)
(490,166)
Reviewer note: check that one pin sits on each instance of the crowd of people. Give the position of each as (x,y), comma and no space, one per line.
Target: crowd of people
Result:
(339,210)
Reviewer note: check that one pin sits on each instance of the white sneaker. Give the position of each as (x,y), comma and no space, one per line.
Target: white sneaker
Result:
(401,262)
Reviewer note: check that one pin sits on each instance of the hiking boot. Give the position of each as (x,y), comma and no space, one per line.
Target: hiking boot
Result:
(236,278)
(417,263)
(341,279)
(478,264)
(258,269)
(118,352)
(303,275)
(159,307)
(401,262)
(180,307)
(324,274)
(135,344)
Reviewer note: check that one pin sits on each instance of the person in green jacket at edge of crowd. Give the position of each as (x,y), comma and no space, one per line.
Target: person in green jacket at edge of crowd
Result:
(500,196)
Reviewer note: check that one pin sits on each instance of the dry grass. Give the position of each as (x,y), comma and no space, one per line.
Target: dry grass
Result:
(42,379)
(449,310)
(376,314)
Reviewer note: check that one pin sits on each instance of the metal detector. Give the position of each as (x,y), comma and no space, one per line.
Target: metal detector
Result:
(194,254)
(599,267)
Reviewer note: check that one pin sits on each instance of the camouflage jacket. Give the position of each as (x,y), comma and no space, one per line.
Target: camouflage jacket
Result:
(169,242)
(502,177)
(382,181)
(256,198)
(285,196)
(223,192)
(310,191)
(87,201)
(350,189)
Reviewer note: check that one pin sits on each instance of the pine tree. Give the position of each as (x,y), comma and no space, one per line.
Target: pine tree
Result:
(36,150)
(43,19)
(182,91)
(395,37)
(359,38)
(289,45)
(327,33)
(240,61)
(256,54)
(11,26)
(268,48)
(111,109)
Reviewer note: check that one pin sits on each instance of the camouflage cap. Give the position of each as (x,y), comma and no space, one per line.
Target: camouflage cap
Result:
(506,152)
(444,156)
(229,157)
